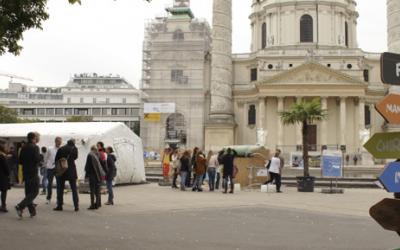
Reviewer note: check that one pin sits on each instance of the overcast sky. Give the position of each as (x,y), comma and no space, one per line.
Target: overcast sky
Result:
(105,36)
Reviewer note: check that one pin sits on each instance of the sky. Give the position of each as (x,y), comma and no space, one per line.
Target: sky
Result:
(106,36)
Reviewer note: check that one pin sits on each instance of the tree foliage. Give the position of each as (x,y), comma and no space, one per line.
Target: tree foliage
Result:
(8,115)
(80,119)
(304,113)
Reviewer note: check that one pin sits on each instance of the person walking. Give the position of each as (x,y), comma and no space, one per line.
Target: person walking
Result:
(213,164)
(184,170)
(274,171)
(4,177)
(50,166)
(199,171)
(112,172)
(70,153)
(228,170)
(93,172)
(175,167)
(29,158)
(43,169)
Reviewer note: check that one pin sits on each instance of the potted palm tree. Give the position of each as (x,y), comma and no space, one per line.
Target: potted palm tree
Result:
(304,113)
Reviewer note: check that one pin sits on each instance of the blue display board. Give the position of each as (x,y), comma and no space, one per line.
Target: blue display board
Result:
(332,165)
(390,177)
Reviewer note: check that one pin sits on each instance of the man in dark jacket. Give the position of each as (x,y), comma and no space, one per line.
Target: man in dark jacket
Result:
(69,152)
(227,161)
(29,158)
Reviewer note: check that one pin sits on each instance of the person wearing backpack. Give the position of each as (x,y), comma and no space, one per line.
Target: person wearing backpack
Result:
(112,172)
(70,153)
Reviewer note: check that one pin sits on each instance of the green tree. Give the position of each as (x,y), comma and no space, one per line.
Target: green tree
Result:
(18,16)
(304,113)
(80,119)
(8,115)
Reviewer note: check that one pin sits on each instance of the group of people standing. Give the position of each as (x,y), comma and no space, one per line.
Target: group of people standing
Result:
(57,162)
(192,167)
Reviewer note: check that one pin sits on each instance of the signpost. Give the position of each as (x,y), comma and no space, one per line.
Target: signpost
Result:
(384,145)
(387,214)
(387,146)
(390,178)
(389,108)
(390,68)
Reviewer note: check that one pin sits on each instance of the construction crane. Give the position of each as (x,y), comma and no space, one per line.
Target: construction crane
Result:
(15,76)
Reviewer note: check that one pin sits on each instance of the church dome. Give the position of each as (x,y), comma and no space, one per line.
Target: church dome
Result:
(326,23)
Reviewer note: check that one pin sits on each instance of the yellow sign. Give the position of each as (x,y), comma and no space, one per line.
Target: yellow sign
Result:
(152,117)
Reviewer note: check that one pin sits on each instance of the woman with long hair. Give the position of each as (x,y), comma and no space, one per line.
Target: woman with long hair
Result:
(212,169)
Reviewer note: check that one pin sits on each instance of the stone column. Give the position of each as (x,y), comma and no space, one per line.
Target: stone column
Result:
(261,122)
(261,113)
(220,127)
(280,125)
(361,121)
(221,65)
(342,121)
(324,123)
(299,134)
(393,30)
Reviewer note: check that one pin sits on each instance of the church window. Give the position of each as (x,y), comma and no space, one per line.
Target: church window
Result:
(264,35)
(367,115)
(270,66)
(366,75)
(253,74)
(346,34)
(306,29)
(251,115)
(178,35)
(176,75)
(328,65)
(349,66)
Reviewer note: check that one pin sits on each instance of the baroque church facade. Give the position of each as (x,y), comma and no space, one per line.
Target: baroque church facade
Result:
(300,50)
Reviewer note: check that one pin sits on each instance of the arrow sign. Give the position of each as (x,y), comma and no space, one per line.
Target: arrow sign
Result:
(390,68)
(387,214)
(390,178)
(384,145)
(389,108)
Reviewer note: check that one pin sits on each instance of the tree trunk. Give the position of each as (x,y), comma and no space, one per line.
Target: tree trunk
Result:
(305,148)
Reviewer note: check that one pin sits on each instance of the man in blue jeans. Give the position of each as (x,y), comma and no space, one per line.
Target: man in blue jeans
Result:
(50,165)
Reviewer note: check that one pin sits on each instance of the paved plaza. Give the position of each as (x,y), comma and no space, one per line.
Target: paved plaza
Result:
(153,217)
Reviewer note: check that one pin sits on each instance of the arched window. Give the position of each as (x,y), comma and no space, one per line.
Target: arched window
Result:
(346,34)
(306,29)
(263,35)
(178,35)
(251,116)
(176,129)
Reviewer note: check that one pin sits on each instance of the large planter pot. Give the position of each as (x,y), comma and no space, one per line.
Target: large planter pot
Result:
(305,184)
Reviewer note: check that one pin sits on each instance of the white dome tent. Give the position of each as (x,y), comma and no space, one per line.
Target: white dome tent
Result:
(127,145)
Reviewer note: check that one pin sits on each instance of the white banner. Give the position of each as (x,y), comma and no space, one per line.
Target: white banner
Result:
(163,108)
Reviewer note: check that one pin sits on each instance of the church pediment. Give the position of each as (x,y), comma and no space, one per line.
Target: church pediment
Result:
(309,73)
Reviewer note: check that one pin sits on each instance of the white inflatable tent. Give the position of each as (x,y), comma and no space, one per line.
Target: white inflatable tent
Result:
(127,145)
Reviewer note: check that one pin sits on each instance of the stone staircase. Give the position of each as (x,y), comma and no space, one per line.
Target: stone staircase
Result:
(153,172)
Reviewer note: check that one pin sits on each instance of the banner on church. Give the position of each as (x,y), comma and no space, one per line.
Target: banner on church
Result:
(161,108)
